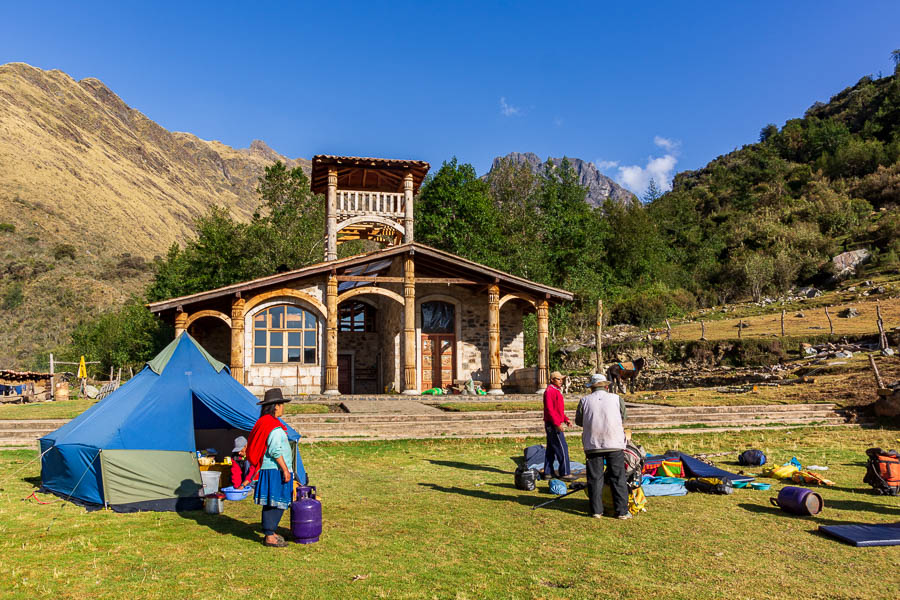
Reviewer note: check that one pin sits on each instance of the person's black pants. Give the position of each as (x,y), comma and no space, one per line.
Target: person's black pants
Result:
(615,471)
(557,450)
(271,516)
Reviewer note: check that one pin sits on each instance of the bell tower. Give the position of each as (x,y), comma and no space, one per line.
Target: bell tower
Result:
(367,198)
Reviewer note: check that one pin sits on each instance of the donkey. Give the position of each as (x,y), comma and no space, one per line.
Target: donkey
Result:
(622,373)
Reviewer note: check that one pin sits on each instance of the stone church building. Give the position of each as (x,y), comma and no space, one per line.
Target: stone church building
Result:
(405,318)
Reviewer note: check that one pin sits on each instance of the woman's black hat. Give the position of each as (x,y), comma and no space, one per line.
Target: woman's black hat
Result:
(273,396)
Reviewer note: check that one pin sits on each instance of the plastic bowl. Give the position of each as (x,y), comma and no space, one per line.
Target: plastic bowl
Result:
(739,484)
(235,495)
(760,485)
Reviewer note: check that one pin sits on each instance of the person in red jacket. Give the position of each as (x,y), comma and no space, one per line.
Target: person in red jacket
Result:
(554,417)
(242,472)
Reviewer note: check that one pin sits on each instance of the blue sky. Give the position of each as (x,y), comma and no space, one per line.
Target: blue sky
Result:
(650,90)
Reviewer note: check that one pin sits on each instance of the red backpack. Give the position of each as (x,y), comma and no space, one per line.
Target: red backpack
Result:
(883,471)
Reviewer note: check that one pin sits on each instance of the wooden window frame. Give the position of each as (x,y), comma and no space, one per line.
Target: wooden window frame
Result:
(284,331)
(368,313)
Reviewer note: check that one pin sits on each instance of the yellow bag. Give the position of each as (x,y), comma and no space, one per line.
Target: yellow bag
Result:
(779,471)
(637,501)
(809,477)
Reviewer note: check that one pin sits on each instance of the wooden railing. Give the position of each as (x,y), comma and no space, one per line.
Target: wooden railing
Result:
(353,202)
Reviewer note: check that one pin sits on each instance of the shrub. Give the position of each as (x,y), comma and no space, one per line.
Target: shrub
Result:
(61,251)
(7,228)
(12,296)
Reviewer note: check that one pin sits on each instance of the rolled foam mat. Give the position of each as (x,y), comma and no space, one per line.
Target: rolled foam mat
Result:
(887,534)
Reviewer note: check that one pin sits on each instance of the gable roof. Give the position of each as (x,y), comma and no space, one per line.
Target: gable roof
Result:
(454,266)
(386,174)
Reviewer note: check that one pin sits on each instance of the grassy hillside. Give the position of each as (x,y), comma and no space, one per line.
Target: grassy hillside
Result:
(90,191)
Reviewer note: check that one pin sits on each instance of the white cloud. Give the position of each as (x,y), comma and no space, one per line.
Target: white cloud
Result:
(605,165)
(660,169)
(508,110)
(666,143)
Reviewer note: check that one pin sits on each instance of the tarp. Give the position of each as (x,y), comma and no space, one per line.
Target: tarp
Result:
(156,410)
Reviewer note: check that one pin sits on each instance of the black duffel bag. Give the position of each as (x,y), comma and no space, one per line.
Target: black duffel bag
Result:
(526,479)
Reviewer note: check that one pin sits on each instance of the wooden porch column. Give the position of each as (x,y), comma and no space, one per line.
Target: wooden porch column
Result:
(181,318)
(543,329)
(408,221)
(237,339)
(331,324)
(494,339)
(410,376)
(331,216)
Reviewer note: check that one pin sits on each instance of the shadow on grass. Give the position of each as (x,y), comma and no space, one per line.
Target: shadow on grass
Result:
(35,481)
(814,521)
(469,466)
(226,525)
(566,505)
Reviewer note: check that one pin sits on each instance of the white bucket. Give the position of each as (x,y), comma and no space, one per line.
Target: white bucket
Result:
(210,481)
(214,506)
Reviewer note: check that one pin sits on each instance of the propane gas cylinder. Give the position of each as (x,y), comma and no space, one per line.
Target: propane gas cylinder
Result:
(306,515)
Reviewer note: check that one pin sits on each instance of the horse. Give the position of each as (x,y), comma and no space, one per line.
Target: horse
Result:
(621,373)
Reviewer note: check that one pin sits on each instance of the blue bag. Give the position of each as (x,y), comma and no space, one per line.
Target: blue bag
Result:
(752,458)
(558,487)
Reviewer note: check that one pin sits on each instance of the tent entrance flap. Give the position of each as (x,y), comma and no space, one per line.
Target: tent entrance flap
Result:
(141,475)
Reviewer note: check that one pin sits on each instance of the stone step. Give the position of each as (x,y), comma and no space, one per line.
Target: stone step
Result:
(35,424)
(537,417)
(687,412)
(526,435)
(23,434)
(511,426)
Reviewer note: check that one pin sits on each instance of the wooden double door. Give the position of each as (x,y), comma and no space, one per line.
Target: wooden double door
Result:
(438,360)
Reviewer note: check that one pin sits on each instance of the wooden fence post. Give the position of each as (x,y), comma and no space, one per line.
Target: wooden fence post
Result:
(52,379)
(782,322)
(830,323)
(668,330)
(740,328)
(878,380)
(882,336)
(702,330)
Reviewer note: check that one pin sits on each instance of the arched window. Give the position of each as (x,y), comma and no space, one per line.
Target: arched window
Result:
(438,317)
(285,334)
(356,316)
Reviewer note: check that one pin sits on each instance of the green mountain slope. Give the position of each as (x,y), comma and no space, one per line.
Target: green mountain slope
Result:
(771,214)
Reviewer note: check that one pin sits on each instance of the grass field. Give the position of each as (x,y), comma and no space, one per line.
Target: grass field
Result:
(813,322)
(69,409)
(441,519)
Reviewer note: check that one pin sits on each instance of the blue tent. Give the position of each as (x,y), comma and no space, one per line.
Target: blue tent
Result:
(136,448)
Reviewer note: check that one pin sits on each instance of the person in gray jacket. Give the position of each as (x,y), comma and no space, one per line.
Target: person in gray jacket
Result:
(602,414)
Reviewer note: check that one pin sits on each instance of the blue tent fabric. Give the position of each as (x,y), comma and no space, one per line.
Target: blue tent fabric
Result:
(150,412)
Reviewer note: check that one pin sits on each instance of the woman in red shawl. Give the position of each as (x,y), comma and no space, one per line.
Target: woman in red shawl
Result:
(269,451)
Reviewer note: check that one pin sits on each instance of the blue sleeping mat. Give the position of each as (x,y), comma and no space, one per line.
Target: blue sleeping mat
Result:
(698,468)
(865,535)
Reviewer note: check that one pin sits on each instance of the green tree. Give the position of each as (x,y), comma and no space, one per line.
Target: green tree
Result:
(768,132)
(455,212)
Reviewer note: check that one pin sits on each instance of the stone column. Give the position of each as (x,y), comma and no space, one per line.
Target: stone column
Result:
(408,222)
(237,340)
(331,325)
(543,329)
(410,376)
(494,339)
(181,318)
(331,216)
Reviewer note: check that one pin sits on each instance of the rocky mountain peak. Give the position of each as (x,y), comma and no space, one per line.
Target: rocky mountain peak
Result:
(600,187)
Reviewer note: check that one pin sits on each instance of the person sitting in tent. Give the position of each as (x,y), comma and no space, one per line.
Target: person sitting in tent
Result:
(269,451)
(242,472)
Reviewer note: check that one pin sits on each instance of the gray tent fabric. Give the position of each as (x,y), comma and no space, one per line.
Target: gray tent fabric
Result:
(141,475)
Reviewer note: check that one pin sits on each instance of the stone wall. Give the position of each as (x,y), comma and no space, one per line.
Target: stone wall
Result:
(214,335)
